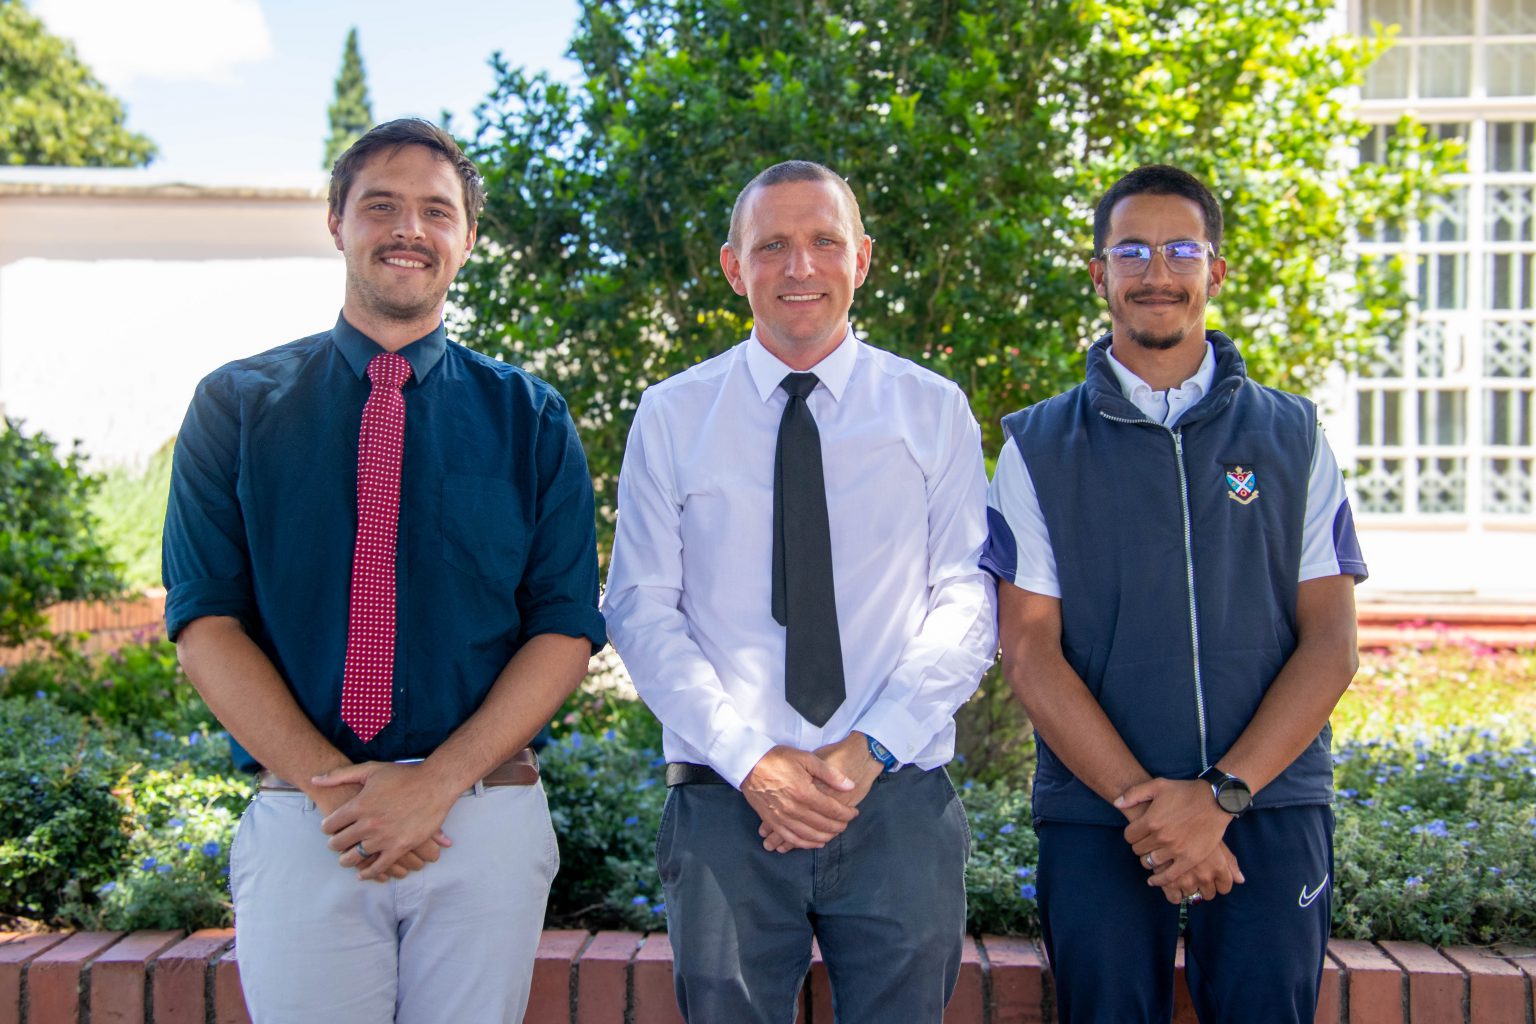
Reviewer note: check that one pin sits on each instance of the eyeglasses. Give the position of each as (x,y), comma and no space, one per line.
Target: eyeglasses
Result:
(1185,256)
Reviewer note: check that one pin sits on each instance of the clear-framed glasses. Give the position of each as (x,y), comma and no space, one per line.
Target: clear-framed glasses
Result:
(1185,256)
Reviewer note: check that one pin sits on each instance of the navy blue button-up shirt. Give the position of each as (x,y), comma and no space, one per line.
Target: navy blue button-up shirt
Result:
(497,541)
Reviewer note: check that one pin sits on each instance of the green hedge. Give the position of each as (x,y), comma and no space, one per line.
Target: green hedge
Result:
(110,818)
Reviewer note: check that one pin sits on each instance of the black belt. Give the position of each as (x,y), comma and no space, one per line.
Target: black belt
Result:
(684,773)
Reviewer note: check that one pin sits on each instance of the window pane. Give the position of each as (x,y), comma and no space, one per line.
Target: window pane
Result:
(1445,70)
(1385,360)
(1442,417)
(1507,487)
(1512,145)
(1511,17)
(1446,220)
(1388,12)
(1511,213)
(1508,417)
(1511,69)
(1446,18)
(1380,418)
(1442,281)
(1508,346)
(1442,486)
(1512,280)
(1379,485)
(1387,77)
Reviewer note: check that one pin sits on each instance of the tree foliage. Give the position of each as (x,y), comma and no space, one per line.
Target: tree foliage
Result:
(977,134)
(351,111)
(48,552)
(53,111)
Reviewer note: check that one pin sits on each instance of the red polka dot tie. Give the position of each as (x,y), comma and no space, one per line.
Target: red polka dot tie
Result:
(368,679)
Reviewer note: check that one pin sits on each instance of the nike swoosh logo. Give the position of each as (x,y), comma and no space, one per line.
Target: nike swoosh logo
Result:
(1306,899)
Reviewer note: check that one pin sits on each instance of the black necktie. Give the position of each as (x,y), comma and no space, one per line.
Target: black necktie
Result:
(803,599)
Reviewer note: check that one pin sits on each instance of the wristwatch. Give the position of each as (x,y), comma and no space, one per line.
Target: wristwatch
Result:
(1232,793)
(879,753)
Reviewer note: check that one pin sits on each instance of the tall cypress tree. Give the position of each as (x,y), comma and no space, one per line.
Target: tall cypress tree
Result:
(351,111)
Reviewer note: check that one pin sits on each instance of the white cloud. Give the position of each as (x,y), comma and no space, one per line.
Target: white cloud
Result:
(164,40)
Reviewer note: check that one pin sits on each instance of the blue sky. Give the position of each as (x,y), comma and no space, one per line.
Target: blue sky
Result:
(235,91)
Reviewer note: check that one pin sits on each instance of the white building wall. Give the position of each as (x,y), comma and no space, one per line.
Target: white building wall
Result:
(115,301)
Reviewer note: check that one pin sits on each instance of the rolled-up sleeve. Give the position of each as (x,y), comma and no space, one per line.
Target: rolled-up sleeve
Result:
(558,591)
(205,561)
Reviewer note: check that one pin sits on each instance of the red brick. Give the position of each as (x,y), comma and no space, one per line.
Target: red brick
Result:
(1374,983)
(228,997)
(118,977)
(14,956)
(1330,997)
(53,978)
(967,1005)
(1523,959)
(1183,1005)
(1017,972)
(1496,988)
(179,977)
(655,998)
(1437,990)
(818,986)
(549,1002)
(602,980)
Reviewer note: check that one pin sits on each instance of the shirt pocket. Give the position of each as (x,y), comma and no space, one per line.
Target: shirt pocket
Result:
(482,525)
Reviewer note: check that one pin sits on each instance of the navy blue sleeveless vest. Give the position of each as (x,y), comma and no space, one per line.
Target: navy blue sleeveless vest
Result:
(1177,551)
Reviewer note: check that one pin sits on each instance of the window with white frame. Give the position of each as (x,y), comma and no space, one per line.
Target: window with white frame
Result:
(1444,414)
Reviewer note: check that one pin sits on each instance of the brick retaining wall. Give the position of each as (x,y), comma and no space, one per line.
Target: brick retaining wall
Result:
(626,978)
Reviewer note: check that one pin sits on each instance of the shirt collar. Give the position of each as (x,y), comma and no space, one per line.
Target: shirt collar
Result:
(1200,384)
(768,370)
(359,349)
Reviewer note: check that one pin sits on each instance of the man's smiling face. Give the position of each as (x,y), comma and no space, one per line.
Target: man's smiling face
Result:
(404,233)
(1158,309)
(798,259)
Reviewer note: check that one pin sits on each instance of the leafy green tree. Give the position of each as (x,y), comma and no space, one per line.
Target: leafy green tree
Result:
(977,134)
(48,552)
(351,111)
(53,111)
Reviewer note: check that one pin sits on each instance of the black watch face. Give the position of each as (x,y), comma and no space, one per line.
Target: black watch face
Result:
(1233,797)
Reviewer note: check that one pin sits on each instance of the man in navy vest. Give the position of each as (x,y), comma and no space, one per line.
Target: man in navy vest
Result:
(1177,559)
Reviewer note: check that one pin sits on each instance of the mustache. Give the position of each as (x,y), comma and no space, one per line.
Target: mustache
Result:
(1152,293)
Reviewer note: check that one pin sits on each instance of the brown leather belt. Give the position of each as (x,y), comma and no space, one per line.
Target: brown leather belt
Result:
(521,769)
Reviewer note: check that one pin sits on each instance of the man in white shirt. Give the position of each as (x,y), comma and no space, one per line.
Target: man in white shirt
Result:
(808,479)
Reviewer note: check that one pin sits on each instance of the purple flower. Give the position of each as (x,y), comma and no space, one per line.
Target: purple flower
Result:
(210,849)
(1027,891)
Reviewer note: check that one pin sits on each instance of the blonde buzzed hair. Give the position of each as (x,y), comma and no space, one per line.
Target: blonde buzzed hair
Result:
(782,174)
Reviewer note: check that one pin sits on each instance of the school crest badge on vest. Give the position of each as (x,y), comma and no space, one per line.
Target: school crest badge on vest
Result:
(1242,484)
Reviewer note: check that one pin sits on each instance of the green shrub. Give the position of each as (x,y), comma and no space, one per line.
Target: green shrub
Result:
(605,798)
(62,830)
(139,687)
(1436,839)
(48,550)
(176,871)
(1000,877)
(130,508)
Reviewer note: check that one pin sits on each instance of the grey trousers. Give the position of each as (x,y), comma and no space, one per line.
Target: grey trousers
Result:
(885,900)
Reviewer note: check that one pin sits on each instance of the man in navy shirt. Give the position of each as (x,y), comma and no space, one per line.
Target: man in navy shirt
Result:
(381,572)
(1177,562)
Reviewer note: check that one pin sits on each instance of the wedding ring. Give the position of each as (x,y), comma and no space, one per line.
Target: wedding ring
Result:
(360,851)
(1147,860)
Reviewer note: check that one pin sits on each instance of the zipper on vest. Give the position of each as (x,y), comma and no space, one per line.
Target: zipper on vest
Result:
(1189,571)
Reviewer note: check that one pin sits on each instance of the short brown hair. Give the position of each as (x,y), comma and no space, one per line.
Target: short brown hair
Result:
(406,131)
(783,174)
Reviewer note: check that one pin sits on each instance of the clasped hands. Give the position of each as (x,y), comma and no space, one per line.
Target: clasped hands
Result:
(806,798)
(395,811)
(1176,832)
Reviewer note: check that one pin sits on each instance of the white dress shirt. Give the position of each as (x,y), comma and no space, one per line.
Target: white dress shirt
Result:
(690,583)
(1012,494)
